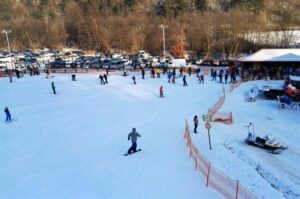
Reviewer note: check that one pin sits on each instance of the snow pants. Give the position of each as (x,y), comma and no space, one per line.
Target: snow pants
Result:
(8,117)
(132,148)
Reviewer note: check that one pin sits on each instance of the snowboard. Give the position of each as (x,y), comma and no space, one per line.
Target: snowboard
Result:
(126,154)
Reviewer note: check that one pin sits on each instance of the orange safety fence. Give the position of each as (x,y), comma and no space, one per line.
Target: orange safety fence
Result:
(218,104)
(233,86)
(216,179)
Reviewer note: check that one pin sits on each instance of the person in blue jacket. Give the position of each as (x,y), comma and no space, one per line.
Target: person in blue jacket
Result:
(8,115)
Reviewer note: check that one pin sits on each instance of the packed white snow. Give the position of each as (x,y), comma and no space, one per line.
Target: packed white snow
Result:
(72,145)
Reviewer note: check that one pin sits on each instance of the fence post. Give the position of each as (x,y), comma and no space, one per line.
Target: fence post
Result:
(207,177)
(237,190)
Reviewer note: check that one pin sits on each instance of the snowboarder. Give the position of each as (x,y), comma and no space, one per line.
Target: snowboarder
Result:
(161,92)
(133,136)
(101,80)
(196,122)
(143,73)
(105,78)
(184,80)
(133,78)
(53,88)
(73,77)
(201,79)
(8,116)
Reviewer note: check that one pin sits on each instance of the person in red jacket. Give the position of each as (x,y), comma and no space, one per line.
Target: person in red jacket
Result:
(161,92)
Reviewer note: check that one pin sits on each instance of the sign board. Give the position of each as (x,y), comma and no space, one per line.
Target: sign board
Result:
(207,118)
(207,125)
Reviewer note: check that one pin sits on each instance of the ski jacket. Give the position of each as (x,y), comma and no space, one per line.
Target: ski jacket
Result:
(161,90)
(6,111)
(196,121)
(133,136)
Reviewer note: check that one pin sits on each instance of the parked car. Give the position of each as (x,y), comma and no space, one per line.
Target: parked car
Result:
(57,63)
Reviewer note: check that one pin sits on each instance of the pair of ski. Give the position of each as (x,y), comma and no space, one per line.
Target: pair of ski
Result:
(12,120)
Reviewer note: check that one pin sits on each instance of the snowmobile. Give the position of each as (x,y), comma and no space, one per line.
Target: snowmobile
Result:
(266,142)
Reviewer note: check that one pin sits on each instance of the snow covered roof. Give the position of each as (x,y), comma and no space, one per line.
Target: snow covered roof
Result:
(273,55)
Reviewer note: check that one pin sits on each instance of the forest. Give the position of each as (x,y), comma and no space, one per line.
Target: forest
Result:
(130,25)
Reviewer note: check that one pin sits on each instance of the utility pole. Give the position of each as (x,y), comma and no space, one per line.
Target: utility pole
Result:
(164,40)
(6,32)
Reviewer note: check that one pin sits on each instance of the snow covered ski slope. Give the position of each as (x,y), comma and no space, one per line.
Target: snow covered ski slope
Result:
(72,145)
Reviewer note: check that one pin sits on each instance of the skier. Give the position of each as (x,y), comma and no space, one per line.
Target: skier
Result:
(73,77)
(105,78)
(201,79)
(161,92)
(169,76)
(101,79)
(8,116)
(196,122)
(184,80)
(53,88)
(133,78)
(10,77)
(133,136)
(198,71)
(143,73)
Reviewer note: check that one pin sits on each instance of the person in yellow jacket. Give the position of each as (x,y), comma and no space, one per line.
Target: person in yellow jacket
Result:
(158,73)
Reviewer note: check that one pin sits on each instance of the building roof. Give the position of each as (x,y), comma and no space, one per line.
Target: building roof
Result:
(273,55)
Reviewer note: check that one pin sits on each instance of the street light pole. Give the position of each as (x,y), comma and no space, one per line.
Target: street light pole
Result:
(6,32)
(164,40)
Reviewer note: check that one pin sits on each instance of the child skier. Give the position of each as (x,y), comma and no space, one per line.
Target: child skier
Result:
(8,116)
(169,76)
(73,77)
(10,77)
(161,92)
(133,136)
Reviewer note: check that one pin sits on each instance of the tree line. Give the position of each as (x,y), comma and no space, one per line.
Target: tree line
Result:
(129,25)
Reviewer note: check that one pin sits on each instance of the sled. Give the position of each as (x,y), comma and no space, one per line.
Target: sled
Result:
(126,154)
(263,142)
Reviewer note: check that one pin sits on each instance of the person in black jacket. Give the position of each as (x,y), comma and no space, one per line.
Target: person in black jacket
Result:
(184,80)
(133,78)
(101,80)
(196,122)
(105,78)
(53,88)
(143,73)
